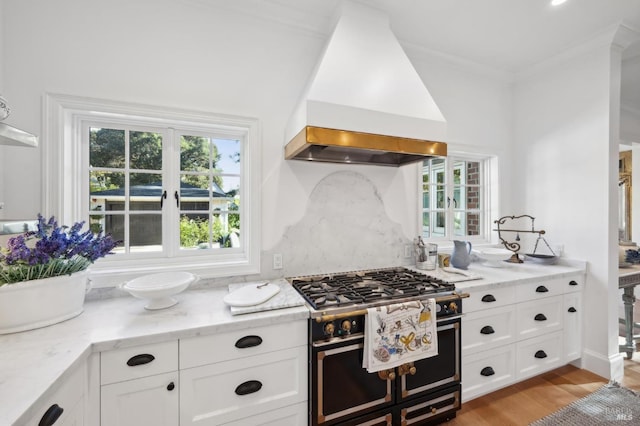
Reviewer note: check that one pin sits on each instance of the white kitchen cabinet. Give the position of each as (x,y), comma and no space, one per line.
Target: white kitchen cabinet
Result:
(486,371)
(238,377)
(573,326)
(539,354)
(516,331)
(149,400)
(140,385)
(66,406)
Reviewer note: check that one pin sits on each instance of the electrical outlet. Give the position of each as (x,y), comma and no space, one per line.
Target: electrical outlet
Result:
(277,261)
(408,250)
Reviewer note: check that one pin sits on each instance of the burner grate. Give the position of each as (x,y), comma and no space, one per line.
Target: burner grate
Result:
(367,287)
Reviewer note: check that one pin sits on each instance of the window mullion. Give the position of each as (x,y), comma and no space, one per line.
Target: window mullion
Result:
(171,183)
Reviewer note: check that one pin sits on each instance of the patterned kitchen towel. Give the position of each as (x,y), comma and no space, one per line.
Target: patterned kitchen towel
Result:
(399,333)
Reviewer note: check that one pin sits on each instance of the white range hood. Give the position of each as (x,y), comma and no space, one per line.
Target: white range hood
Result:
(365,102)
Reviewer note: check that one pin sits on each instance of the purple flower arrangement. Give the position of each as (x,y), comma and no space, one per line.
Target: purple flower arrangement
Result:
(51,251)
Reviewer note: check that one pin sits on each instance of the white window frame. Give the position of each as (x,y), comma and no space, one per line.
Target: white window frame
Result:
(489,199)
(66,185)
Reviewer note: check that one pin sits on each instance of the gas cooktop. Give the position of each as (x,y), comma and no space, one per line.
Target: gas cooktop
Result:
(368,288)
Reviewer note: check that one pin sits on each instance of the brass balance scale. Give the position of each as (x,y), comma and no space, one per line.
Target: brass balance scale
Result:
(515,245)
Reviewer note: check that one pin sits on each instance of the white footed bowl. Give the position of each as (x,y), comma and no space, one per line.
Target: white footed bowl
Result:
(159,289)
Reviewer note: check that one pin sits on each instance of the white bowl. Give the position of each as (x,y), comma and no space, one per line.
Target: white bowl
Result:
(159,288)
(493,256)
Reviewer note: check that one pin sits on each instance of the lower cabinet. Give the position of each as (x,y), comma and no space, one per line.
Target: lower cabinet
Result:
(516,331)
(66,406)
(152,400)
(247,377)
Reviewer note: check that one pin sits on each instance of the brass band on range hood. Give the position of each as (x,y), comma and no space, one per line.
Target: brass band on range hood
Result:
(343,146)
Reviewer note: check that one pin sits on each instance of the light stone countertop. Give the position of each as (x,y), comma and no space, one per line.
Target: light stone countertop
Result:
(33,362)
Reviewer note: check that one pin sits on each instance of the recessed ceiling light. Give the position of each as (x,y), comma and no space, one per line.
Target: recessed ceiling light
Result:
(557,2)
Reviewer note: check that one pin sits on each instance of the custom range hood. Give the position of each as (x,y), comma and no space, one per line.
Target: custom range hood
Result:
(365,103)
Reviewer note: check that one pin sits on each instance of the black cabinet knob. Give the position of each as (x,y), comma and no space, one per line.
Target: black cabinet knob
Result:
(248,342)
(540,317)
(572,282)
(487,329)
(541,289)
(140,359)
(51,416)
(248,387)
(487,371)
(572,310)
(540,354)
(171,386)
(488,298)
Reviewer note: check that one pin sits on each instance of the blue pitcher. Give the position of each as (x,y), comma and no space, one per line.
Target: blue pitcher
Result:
(461,256)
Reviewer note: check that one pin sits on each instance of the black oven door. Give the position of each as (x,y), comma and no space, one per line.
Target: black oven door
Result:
(341,388)
(437,371)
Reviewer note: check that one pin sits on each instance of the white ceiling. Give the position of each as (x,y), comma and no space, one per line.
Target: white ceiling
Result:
(507,35)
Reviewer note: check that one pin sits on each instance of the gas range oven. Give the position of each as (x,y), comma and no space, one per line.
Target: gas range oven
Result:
(341,392)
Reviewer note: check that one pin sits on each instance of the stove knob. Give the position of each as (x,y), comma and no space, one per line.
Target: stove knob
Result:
(453,307)
(346,326)
(329,328)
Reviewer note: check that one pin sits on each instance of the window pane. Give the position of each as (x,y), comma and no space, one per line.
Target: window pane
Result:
(425,200)
(473,173)
(145,232)
(466,224)
(106,191)
(440,201)
(425,225)
(195,153)
(145,150)
(145,192)
(106,147)
(228,156)
(439,224)
(194,231)
(459,224)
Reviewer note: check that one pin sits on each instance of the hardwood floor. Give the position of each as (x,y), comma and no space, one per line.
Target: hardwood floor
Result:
(532,399)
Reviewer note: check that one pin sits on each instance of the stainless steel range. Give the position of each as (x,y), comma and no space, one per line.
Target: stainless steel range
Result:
(341,391)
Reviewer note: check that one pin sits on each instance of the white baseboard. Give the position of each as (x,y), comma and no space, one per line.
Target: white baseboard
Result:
(611,367)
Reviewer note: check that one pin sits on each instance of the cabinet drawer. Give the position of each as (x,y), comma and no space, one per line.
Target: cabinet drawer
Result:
(539,317)
(138,361)
(484,372)
(217,393)
(539,290)
(202,350)
(488,328)
(489,298)
(537,355)
(293,415)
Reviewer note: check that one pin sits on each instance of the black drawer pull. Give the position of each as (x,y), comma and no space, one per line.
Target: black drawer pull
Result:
(140,360)
(572,282)
(572,310)
(248,342)
(487,329)
(171,386)
(248,387)
(540,354)
(488,298)
(540,317)
(541,289)
(51,416)
(487,371)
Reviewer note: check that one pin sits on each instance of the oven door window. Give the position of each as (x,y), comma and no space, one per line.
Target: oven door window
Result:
(343,388)
(437,371)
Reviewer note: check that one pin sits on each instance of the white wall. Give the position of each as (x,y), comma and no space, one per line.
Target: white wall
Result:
(200,56)
(564,158)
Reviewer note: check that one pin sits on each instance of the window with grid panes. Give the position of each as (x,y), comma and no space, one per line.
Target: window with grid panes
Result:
(178,193)
(453,198)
